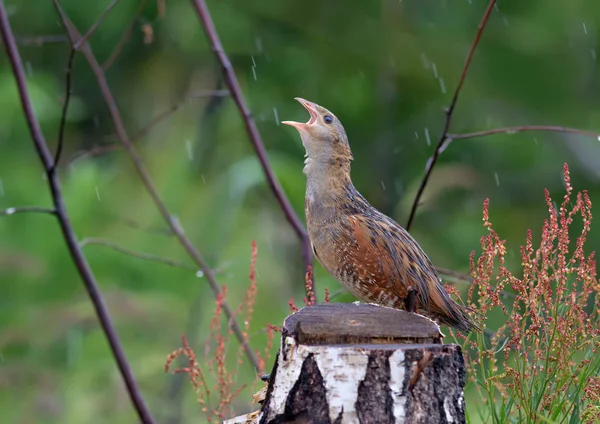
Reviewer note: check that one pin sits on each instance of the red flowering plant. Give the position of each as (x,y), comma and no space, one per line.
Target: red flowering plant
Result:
(543,363)
(217,400)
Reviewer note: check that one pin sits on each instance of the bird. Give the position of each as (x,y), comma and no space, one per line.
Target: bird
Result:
(376,259)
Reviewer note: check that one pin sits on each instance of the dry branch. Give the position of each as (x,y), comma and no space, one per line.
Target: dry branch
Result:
(441,145)
(124,38)
(523,128)
(171,221)
(110,147)
(27,209)
(65,223)
(140,255)
(251,128)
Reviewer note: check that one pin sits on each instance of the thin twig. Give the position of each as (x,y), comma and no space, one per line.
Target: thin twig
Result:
(449,113)
(39,40)
(65,224)
(27,209)
(251,128)
(175,107)
(95,26)
(63,117)
(136,160)
(464,278)
(136,254)
(110,147)
(454,274)
(124,38)
(136,225)
(74,48)
(523,128)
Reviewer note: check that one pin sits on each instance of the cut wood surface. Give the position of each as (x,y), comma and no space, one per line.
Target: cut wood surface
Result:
(357,363)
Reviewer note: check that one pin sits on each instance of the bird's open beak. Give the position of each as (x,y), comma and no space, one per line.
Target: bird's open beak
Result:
(311,108)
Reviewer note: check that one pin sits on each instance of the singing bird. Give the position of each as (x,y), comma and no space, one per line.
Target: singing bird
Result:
(369,253)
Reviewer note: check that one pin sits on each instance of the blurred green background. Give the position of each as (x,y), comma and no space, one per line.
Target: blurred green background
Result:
(386,69)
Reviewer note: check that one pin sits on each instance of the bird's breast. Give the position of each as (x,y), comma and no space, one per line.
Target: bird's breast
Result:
(363,268)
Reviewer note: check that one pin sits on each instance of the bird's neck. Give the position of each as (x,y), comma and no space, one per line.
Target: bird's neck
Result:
(327,181)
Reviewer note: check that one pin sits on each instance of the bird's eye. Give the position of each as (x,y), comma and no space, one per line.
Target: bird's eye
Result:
(328,119)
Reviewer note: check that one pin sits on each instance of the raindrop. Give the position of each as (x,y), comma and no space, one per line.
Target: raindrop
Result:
(598,140)
(425,61)
(417,135)
(199,274)
(276,115)
(1,188)
(253,61)
(97,193)
(427,136)
(254,73)
(9,211)
(511,132)
(445,144)
(435,72)
(496,7)
(259,45)
(593,52)
(442,85)
(428,164)
(382,185)
(188,148)
(497,179)
(203,180)
(28,68)
(584,28)
(536,142)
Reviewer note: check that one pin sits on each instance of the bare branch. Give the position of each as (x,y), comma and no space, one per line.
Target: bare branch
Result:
(171,220)
(124,38)
(74,48)
(95,26)
(252,130)
(140,255)
(27,209)
(464,278)
(523,128)
(136,225)
(175,107)
(39,40)
(454,274)
(449,113)
(65,224)
(110,147)
(65,109)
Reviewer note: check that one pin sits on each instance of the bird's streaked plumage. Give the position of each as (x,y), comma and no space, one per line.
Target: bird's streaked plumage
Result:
(371,254)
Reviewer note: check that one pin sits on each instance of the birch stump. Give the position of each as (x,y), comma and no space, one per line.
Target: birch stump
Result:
(362,363)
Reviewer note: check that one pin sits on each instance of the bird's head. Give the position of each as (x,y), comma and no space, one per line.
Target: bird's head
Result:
(323,136)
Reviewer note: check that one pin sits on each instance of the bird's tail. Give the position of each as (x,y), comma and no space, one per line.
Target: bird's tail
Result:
(450,313)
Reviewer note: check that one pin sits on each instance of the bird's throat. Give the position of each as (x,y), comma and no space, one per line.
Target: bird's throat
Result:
(326,180)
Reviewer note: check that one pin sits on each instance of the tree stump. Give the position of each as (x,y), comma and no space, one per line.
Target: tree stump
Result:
(362,363)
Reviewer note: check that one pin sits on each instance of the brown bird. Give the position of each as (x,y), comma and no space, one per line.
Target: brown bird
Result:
(368,252)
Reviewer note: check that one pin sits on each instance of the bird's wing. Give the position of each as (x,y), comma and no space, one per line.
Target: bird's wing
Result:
(388,250)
